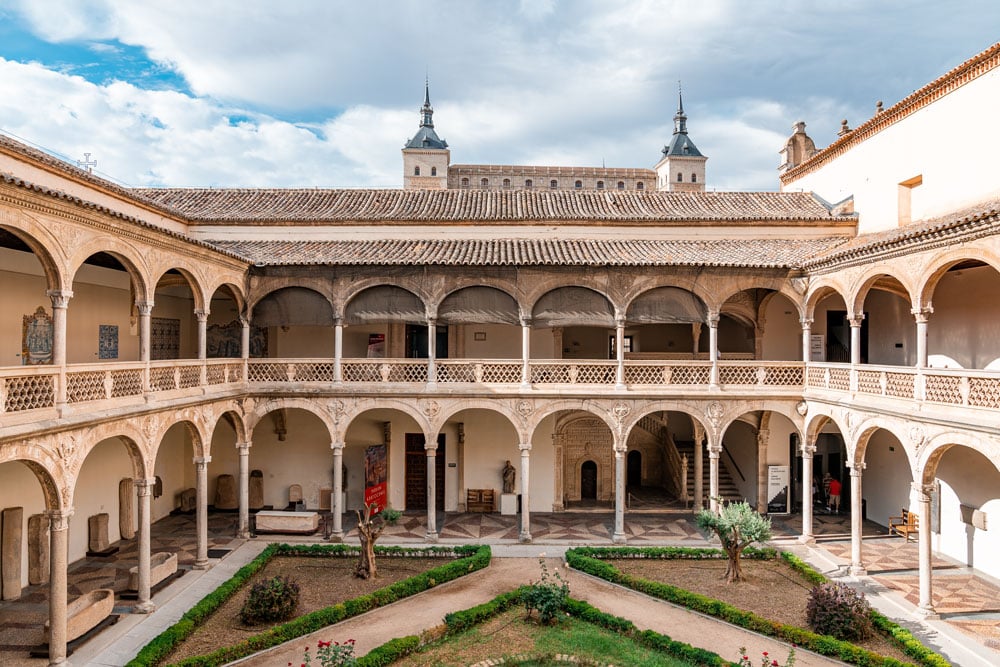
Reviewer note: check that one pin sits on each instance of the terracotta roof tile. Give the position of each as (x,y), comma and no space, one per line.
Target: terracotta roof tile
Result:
(261,205)
(771,253)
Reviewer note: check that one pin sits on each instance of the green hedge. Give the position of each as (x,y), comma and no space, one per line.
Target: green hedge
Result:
(589,560)
(475,558)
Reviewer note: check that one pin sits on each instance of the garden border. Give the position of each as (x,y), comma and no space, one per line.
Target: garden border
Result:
(589,560)
(156,651)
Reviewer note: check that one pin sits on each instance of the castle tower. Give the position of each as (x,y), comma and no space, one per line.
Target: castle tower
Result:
(682,167)
(426,156)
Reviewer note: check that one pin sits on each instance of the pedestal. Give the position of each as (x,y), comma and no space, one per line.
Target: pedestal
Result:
(508,503)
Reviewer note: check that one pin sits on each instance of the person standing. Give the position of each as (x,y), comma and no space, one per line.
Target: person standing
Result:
(835,495)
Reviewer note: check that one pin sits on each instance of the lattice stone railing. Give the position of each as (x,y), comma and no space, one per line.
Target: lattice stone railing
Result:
(24,389)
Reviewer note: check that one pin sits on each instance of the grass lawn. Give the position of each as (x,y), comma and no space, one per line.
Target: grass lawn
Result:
(508,634)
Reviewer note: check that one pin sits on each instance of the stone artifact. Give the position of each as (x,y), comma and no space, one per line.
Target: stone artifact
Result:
(38,549)
(98,531)
(226,495)
(162,564)
(325,499)
(10,549)
(126,508)
(304,523)
(256,489)
(508,477)
(189,500)
(294,494)
(85,612)
(157,486)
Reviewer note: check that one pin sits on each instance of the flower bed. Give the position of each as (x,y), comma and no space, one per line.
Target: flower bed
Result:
(592,561)
(471,558)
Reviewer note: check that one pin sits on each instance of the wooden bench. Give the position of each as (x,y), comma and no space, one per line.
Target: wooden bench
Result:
(480,500)
(904,524)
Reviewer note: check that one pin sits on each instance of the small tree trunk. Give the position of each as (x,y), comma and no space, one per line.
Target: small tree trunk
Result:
(734,569)
(369,533)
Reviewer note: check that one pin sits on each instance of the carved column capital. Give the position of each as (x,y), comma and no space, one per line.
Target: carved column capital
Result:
(712,318)
(923,491)
(59,519)
(144,487)
(524,447)
(921,315)
(337,446)
(856,320)
(244,448)
(144,307)
(202,461)
(60,298)
(806,323)
(201,314)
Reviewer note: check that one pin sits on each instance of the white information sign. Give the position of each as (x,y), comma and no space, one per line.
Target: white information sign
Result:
(777,489)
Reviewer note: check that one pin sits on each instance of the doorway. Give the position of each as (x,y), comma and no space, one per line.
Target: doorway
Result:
(588,481)
(416,342)
(416,472)
(633,469)
(838,337)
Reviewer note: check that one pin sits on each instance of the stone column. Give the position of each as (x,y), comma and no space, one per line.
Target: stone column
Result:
(59,555)
(699,468)
(808,451)
(145,309)
(60,302)
(525,354)
(806,337)
(202,317)
(525,535)
(144,487)
(925,608)
(695,339)
(713,478)
(922,315)
(763,437)
(620,354)
(201,512)
(431,449)
(431,352)
(857,564)
(856,339)
(337,532)
(244,338)
(338,350)
(713,348)
(243,530)
(619,535)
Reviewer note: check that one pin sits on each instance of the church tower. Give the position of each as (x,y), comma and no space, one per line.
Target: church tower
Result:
(682,167)
(426,156)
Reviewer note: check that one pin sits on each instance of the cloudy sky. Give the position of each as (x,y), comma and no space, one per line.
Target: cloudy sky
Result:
(325,93)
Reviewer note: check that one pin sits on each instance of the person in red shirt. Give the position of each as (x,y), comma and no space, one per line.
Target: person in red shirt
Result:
(835,495)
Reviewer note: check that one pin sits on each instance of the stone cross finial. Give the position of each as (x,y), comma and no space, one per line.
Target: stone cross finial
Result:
(87,163)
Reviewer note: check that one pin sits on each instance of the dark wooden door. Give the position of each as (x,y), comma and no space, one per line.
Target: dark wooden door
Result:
(416,472)
(588,481)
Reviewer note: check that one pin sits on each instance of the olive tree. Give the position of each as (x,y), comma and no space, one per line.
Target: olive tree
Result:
(737,526)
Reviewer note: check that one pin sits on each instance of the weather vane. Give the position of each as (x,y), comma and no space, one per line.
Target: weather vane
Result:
(87,163)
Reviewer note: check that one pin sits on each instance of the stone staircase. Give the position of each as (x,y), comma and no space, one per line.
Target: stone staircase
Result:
(727,488)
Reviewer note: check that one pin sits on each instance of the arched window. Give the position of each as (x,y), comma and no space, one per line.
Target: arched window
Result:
(485,183)
(578,185)
(434,171)
(680,177)
(621,185)
(694,178)
(528,184)
(416,171)
(640,186)
(553,184)
(600,185)
(506,183)
(465,182)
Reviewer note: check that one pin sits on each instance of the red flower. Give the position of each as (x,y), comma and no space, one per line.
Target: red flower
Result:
(765,654)
(774,663)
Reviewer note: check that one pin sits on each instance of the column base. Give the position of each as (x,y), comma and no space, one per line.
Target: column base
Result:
(144,608)
(524,537)
(431,537)
(927,614)
(525,386)
(807,539)
(857,571)
(59,662)
(619,538)
(201,565)
(620,387)
(336,536)
(243,534)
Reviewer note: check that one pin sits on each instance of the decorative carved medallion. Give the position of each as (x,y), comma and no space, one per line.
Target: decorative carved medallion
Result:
(800,284)
(525,407)
(802,408)
(714,412)
(621,410)
(431,408)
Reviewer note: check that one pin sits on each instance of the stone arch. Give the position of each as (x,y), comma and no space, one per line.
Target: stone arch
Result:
(194,283)
(264,408)
(234,417)
(643,284)
(542,286)
(579,437)
(199,442)
(126,254)
(496,306)
(499,407)
(275,307)
(820,291)
(348,415)
(819,419)
(387,303)
(783,290)
(878,277)
(929,454)
(41,243)
(234,292)
(135,442)
(561,405)
(260,289)
(679,305)
(945,261)
(552,309)
(56,489)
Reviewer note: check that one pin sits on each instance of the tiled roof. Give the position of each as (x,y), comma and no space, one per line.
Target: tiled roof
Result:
(540,170)
(974,67)
(980,220)
(260,205)
(771,253)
